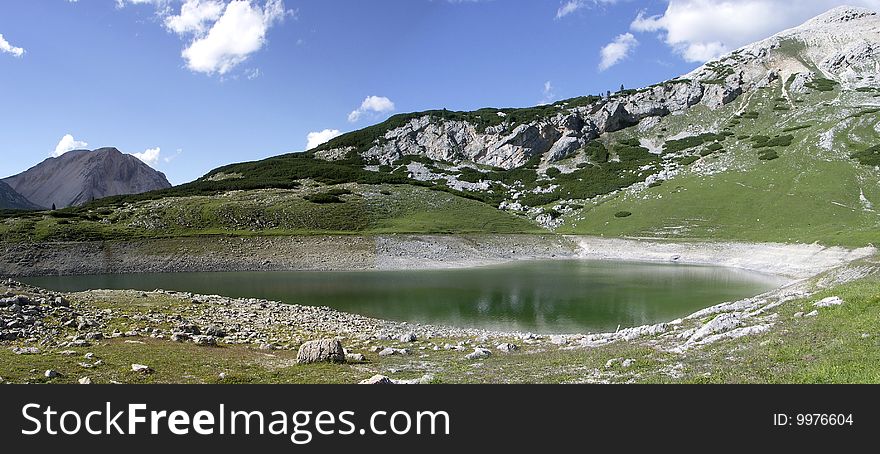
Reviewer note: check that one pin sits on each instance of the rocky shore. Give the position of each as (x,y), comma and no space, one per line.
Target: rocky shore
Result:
(393,252)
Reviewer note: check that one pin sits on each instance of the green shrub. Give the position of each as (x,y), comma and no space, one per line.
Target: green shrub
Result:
(821,84)
(768,155)
(686,143)
(470,175)
(796,128)
(323,198)
(767,142)
(868,157)
(687,160)
(597,151)
(552,172)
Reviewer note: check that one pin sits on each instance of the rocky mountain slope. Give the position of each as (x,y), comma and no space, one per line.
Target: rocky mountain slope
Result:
(11,200)
(841,45)
(80,176)
(776,141)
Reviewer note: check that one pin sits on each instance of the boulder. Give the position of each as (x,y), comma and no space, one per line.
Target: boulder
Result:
(141,369)
(321,351)
(355,358)
(377,380)
(507,347)
(408,337)
(479,353)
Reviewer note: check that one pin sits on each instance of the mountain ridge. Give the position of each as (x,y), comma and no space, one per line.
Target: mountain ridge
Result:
(80,176)
(11,200)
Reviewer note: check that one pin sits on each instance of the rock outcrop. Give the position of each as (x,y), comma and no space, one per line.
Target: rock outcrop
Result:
(842,45)
(80,176)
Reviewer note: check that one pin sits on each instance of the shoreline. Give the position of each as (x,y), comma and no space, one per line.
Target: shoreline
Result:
(403,252)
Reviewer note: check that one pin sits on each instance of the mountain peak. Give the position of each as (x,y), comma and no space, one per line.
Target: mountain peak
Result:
(79,176)
(841,14)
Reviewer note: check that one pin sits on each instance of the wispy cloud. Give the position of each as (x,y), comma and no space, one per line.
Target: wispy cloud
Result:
(149,156)
(317,138)
(617,50)
(548,94)
(9,48)
(373,104)
(700,30)
(570,6)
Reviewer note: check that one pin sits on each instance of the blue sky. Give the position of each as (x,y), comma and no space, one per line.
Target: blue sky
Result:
(190,85)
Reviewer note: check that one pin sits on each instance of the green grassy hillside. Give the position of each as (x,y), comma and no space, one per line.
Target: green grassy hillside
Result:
(310,209)
(807,187)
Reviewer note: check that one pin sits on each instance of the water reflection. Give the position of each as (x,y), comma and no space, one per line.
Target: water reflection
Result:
(541,296)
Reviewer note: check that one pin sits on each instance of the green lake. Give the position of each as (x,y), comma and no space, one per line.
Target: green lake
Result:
(559,296)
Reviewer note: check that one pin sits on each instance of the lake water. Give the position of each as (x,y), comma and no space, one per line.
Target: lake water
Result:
(560,296)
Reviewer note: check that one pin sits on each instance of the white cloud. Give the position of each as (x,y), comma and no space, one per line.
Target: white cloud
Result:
(375,104)
(195,16)
(239,32)
(150,156)
(615,51)
(315,139)
(68,143)
(570,6)
(700,30)
(548,93)
(9,48)
(222,33)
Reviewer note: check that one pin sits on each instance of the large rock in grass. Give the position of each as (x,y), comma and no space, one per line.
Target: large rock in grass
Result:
(321,351)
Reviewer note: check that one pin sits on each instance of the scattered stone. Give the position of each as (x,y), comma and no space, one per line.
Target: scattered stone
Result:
(610,363)
(355,358)
(141,369)
(85,381)
(507,347)
(479,353)
(89,355)
(26,350)
(320,351)
(798,314)
(828,302)
(67,353)
(180,337)
(627,363)
(189,328)
(86,365)
(51,373)
(377,380)
(222,375)
(205,341)
(812,314)
(390,351)
(559,340)
(267,347)
(215,331)
(408,337)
